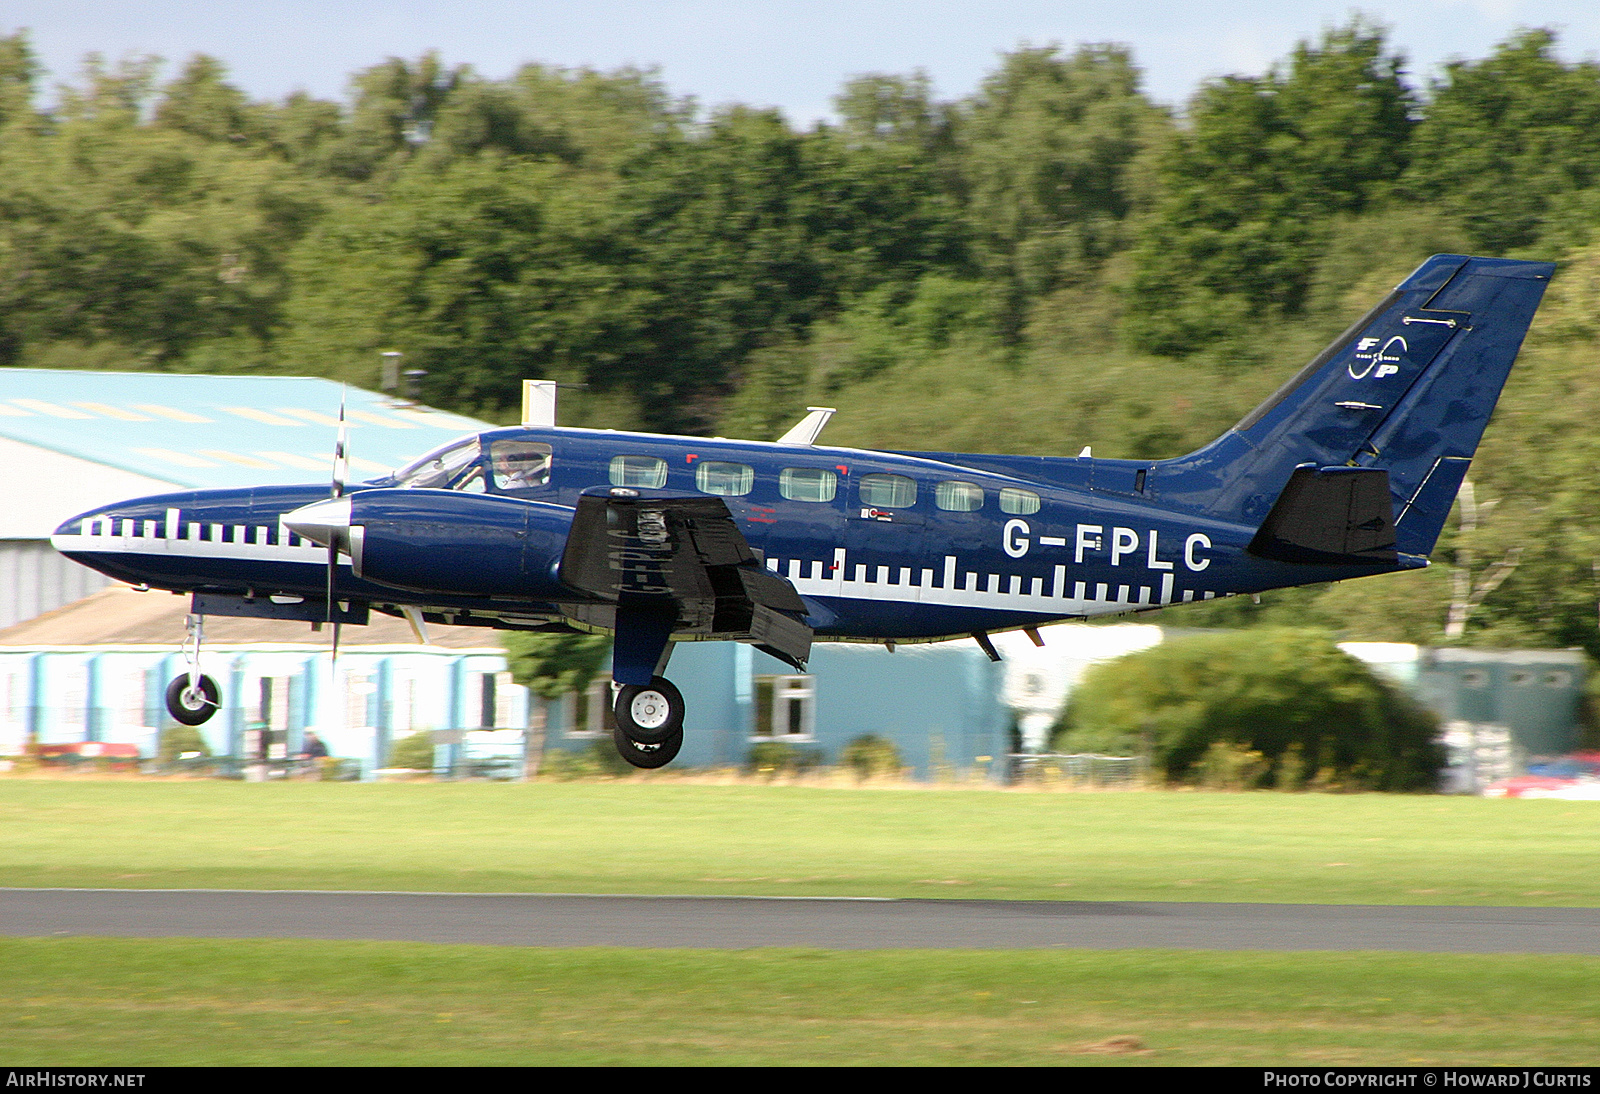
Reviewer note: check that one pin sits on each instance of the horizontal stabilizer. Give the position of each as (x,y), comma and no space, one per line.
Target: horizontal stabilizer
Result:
(1339,515)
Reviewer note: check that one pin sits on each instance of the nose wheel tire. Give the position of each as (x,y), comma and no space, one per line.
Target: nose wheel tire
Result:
(649,714)
(191,706)
(648,757)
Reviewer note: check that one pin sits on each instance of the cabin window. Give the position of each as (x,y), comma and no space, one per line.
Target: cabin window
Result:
(958,497)
(452,467)
(646,471)
(808,484)
(728,479)
(1018,502)
(889,491)
(519,465)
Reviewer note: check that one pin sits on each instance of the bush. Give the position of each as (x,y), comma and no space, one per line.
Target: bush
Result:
(1314,714)
(870,755)
(599,759)
(178,739)
(782,758)
(413,752)
(1231,767)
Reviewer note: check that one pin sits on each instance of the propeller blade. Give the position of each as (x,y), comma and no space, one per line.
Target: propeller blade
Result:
(333,570)
(341,461)
(341,472)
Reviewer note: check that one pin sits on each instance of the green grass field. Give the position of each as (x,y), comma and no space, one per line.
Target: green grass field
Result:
(666,837)
(184,1001)
(168,1001)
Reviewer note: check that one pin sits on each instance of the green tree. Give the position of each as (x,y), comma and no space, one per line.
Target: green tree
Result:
(554,663)
(19,80)
(1506,137)
(1049,148)
(134,243)
(485,272)
(202,103)
(1314,713)
(1250,186)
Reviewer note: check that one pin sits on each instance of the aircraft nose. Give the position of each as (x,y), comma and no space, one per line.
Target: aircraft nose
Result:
(324,522)
(81,524)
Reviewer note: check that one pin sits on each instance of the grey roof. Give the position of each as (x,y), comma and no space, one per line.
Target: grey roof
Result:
(119,616)
(205,431)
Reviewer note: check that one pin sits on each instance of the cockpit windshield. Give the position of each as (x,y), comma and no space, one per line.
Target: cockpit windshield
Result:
(454,466)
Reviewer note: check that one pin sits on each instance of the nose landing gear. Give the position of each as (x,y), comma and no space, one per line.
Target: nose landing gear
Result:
(192,703)
(649,720)
(193,697)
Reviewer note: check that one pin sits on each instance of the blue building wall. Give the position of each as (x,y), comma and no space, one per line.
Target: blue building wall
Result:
(61,695)
(942,706)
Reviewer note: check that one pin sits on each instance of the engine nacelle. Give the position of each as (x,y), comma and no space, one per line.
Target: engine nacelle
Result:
(415,539)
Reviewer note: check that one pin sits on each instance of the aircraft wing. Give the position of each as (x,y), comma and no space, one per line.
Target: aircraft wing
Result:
(646,551)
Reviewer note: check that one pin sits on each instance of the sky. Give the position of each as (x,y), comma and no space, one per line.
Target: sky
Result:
(793,54)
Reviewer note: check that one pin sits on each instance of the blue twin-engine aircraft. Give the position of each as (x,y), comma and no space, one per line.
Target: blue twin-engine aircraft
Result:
(1348,470)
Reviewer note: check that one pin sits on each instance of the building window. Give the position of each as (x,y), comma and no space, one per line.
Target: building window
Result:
(132,712)
(727,479)
(271,717)
(786,708)
(808,484)
(490,701)
(358,701)
(13,713)
(646,471)
(888,491)
(72,703)
(958,497)
(403,703)
(588,712)
(1018,502)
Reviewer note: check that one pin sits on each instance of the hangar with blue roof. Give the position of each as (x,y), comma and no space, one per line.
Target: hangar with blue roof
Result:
(74,440)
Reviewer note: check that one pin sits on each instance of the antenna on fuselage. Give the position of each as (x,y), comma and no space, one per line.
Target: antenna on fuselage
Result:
(538,403)
(807,429)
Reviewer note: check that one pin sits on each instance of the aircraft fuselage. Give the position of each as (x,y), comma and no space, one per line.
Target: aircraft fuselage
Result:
(881,546)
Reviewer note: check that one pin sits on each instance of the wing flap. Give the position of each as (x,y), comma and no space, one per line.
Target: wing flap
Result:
(686,552)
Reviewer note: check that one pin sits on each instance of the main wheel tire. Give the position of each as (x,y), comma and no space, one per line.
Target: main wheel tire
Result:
(651,713)
(648,757)
(191,707)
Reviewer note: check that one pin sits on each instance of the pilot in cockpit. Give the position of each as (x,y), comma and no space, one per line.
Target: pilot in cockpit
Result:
(519,465)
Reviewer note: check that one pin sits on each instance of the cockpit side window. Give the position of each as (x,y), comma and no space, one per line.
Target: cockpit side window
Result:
(519,465)
(453,467)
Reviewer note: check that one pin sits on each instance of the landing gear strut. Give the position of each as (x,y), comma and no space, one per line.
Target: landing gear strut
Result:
(649,723)
(193,697)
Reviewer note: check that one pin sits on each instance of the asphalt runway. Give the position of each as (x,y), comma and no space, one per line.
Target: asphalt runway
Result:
(518,919)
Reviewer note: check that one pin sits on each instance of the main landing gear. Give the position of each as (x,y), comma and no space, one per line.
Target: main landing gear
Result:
(649,720)
(193,697)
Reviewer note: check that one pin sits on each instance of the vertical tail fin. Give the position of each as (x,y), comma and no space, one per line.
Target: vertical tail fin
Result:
(1407,390)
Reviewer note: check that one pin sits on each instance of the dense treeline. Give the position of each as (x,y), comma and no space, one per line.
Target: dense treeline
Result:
(1054,261)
